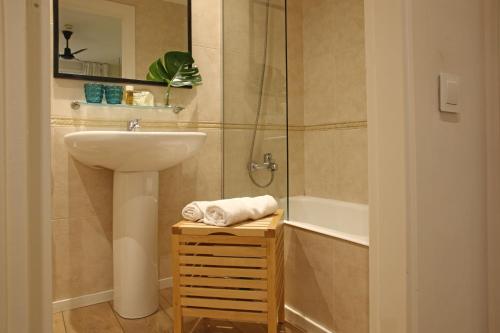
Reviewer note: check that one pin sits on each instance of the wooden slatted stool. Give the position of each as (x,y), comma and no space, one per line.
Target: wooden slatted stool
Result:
(233,273)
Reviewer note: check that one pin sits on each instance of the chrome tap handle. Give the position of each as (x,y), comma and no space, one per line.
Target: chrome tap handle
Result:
(133,125)
(268,164)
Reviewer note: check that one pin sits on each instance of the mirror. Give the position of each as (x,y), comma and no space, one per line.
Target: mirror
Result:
(117,40)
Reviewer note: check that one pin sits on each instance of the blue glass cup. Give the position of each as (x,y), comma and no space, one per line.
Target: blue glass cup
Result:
(114,94)
(93,92)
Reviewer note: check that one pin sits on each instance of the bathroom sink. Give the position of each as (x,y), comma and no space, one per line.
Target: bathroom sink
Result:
(133,151)
(136,159)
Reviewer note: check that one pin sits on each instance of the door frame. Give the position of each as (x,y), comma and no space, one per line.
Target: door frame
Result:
(388,40)
(25,238)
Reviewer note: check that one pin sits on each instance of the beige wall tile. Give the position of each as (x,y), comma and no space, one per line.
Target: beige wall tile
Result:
(350,287)
(207,104)
(241,79)
(198,178)
(308,272)
(244,59)
(295,60)
(296,164)
(350,86)
(237,20)
(295,45)
(82,252)
(334,63)
(237,146)
(351,164)
(250,67)
(337,165)
(77,190)
(327,278)
(327,85)
(207,34)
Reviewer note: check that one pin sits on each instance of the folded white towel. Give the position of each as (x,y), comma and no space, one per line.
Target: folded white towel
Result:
(223,213)
(195,211)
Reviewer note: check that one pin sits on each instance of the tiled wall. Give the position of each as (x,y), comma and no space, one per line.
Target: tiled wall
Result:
(245,36)
(326,278)
(82,197)
(327,97)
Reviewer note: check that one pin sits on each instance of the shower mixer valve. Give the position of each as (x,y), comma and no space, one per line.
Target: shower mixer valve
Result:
(269,164)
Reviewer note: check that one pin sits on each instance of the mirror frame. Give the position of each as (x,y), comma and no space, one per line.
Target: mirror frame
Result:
(55,54)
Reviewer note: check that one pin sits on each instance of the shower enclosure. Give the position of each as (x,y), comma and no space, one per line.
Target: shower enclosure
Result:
(255,98)
(295,127)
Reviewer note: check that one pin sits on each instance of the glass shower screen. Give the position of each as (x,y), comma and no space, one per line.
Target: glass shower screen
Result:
(255,98)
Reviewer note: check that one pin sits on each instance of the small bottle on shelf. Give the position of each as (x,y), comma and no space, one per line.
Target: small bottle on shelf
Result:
(129,95)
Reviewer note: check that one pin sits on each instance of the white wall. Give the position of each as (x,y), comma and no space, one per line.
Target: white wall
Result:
(449,238)
(492,47)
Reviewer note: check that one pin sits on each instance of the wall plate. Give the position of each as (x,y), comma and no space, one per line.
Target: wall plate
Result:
(449,93)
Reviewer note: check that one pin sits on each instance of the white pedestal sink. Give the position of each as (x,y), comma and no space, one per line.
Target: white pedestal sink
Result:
(136,158)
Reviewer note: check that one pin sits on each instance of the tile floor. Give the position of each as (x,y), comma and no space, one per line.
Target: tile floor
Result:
(100,318)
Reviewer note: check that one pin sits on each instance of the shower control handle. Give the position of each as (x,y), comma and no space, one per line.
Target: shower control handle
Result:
(268,164)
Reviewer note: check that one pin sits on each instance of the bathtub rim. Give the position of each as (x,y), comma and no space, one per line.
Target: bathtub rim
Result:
(363,241)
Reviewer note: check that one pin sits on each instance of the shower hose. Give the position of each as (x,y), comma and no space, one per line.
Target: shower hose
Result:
(259,109)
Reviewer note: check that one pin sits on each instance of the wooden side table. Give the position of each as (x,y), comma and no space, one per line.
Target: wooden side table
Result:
(233,273)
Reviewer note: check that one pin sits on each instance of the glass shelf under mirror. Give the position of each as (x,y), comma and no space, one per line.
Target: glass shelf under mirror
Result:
(75,105)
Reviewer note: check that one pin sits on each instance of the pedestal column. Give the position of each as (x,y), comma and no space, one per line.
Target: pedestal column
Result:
(135,243)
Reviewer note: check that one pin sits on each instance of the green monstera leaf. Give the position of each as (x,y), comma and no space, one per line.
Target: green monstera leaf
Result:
(175,68)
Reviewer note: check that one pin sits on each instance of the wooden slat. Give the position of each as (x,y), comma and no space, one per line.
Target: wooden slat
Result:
(222,239)
(272,315)
(224,293)
(224,251)
(217,282)
(223,261)
(279,273)
(224,272)
(232,231)
(264,223)
(176,284)
(276,219)
(257,228)
(224,304)
(222,314)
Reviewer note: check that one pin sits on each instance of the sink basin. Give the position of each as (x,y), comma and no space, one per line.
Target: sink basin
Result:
(136,159)
(133,151)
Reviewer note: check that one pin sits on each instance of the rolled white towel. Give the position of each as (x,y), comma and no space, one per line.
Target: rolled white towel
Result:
(223,213)
(195,211)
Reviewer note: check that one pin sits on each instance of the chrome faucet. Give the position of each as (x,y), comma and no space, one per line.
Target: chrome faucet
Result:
(133,125)
(269,164)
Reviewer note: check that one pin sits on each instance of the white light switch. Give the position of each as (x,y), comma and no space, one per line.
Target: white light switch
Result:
(449,93)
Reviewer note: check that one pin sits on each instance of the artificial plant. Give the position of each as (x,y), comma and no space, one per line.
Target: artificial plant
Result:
(175,68)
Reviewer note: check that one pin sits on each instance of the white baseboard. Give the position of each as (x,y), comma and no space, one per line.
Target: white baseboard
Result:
(102,296)
(300,320)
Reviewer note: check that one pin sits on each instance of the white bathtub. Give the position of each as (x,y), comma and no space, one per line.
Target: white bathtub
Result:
(345,220)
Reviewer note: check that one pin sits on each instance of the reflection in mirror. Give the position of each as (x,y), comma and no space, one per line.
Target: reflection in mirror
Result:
(117,40)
